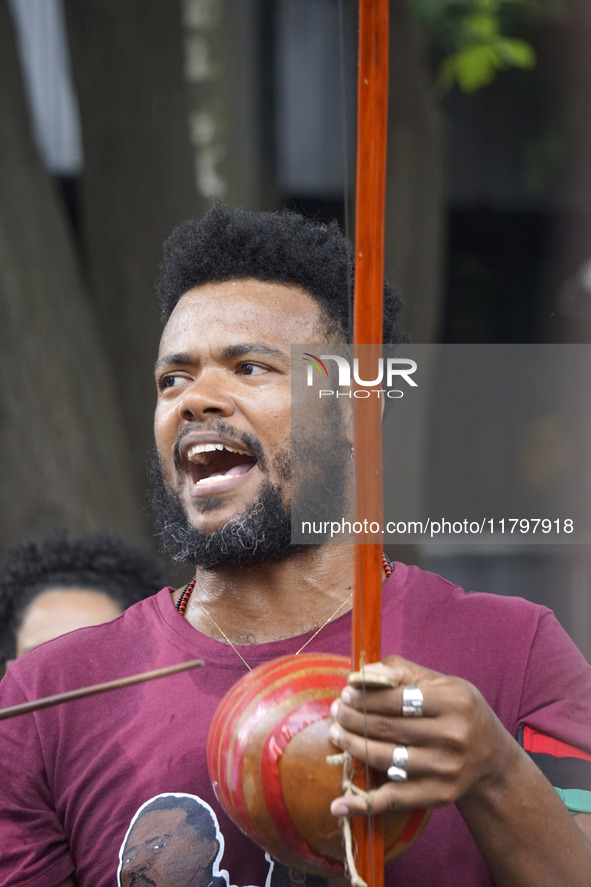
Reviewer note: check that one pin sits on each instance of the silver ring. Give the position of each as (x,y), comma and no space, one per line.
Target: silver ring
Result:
(412,702)
(398,772)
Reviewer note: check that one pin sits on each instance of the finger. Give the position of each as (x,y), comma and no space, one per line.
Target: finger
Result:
(389,702)
(452,708)
(377,754)
(384,728)
(438,693)
(385,675)
(391,797)
(422,759)
(403,670)
(431,781)
(376,681)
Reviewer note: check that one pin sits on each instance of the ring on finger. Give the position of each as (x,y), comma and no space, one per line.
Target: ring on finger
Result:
(398,771)
(412,702)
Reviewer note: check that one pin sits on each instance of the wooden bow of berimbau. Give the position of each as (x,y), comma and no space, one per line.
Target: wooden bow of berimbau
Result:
(372,114)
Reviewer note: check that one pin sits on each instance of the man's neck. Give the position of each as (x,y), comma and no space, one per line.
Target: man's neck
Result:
(273,601)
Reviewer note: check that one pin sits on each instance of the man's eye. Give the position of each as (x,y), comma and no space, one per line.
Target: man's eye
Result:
(251,369)
(159,846)
(170,380)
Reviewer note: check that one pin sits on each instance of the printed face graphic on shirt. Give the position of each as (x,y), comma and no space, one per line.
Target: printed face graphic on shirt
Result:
(173,841)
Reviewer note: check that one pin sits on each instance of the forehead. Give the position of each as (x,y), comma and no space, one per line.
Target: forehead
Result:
(240,310)
(157,822)
(58,610)
(73,607)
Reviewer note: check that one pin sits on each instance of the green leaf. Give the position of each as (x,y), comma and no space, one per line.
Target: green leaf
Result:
(470,35)
(516,53)
(476,67)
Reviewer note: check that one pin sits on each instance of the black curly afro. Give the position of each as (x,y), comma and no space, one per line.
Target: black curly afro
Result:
(102,561)
(284,247)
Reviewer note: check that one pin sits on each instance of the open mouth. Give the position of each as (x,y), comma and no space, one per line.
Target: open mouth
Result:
(216,463)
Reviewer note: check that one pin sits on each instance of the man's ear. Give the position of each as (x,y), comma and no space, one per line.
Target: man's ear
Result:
(211,848)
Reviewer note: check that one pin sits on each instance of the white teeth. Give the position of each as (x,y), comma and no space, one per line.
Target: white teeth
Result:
(199,449)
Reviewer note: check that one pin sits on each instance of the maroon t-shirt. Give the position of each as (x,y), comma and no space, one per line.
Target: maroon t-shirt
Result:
(87,787)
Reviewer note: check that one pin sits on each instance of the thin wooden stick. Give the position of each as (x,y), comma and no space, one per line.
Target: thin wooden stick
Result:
(372,119)
(36,704)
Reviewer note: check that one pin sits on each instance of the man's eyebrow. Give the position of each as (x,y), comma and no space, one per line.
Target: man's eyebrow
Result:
(131,847)
(157,838)
(230,352)
(243,348)
(181,357)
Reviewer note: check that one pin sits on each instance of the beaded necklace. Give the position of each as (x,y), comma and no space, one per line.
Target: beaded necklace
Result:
(182,602)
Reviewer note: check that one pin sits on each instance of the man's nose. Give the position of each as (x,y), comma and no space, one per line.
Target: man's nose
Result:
(207,395)
(139,865)
(141,862)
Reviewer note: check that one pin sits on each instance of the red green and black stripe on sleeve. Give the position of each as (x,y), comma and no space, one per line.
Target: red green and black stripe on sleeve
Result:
(566,767)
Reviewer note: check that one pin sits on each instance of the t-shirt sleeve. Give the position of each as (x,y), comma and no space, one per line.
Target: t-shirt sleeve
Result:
(554,724)
(568,768)
(33,847)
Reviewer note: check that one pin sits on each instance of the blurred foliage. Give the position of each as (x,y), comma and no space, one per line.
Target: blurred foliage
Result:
(474,38)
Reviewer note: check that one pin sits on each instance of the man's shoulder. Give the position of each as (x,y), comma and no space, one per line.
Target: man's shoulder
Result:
(434,592)
(464,629)
(513,650)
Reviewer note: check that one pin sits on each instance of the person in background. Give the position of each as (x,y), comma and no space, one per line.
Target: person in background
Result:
(62,582)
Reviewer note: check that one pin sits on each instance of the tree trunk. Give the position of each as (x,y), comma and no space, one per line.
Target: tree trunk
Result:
(63,454)
(139,178)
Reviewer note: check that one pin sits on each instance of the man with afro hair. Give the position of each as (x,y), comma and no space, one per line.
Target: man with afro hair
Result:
(485,716)
(282,247)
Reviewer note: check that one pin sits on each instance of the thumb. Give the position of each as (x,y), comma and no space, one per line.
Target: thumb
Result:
(403,671)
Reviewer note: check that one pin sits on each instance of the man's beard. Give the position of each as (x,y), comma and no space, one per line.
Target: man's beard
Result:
(262,534)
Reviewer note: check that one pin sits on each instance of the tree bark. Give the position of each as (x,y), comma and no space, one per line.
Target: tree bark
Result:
(64,456)
(139,179)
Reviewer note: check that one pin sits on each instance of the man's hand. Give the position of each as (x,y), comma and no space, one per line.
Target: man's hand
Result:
(459,752)
(453,749)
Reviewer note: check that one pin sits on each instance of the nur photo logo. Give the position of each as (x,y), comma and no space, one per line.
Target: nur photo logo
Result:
(388,371)
(314,362)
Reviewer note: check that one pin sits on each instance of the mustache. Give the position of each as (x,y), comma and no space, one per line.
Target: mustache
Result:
(228,432)
(262,534)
